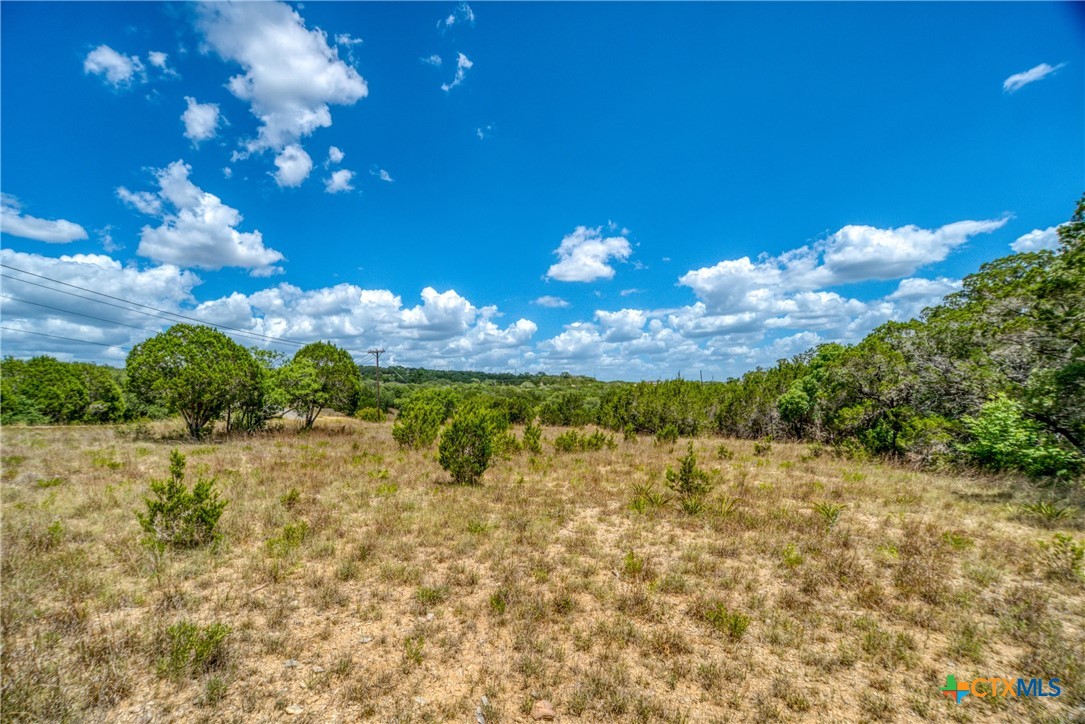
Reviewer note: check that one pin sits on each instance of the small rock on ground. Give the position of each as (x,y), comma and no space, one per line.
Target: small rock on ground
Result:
(543,710)
(294,709)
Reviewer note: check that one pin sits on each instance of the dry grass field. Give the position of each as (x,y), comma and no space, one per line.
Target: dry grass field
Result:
(353,581)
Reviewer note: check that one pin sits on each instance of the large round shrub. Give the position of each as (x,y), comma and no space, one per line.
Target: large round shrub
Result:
(466,447)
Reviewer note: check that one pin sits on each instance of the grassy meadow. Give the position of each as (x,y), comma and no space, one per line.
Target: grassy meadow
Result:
(354,581)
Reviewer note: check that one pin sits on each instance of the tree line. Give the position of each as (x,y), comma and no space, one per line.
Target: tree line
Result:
(993,376)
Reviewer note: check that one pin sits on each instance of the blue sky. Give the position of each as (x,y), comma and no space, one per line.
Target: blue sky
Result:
(625,190)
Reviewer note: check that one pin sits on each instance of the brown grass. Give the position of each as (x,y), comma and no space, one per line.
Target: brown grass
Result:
(410,599)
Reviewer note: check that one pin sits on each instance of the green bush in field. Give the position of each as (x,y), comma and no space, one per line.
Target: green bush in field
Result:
(567,441)
(1064,557)
(192,650)
(178,518)
(533,438)
(690,483)
(1004,439)
(573,441)
(418,425)
(506,444)
(370,414)
(667,434)
(466,447)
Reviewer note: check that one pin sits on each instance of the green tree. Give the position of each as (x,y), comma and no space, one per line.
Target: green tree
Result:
(16,406)
(56,388)
(193,370)
(466,447)
(105,398)
(260,397)
(320,376)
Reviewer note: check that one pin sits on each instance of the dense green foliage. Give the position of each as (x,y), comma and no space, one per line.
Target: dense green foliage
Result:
(196,371)
(418,424)
(43,390)
(320,376)
(575,441)
(179,518)
(466,447)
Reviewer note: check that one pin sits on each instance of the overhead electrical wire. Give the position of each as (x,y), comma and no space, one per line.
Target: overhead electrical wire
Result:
(161,312)
(56,336)
(137,304)
(78,314)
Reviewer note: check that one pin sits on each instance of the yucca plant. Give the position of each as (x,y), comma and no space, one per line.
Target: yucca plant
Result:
(830,512)
(1048,512)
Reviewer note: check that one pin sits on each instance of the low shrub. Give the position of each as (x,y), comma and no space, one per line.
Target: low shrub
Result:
(1064,558)
(189,650)
(573,441)
(690,483)
(532,438)
(667,435)
(370,414)
(178,518)
(731,623)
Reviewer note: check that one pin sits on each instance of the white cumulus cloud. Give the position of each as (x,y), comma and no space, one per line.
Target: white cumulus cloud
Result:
(160,60)
(381,174)
(1037,240)
(116,69)
(584,254)
(855,253)
(461,14)
(197,229)
(293,165)
(339,181)
(14,222)
(291,75)
(551,301)
(164,287)
(201,120)
(335,155)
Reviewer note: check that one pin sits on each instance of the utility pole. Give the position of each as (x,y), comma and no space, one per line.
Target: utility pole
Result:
(377,353)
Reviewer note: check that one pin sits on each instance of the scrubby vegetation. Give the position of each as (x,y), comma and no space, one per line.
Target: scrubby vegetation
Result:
(899,506)
(178,517)
(350,580)
(466,447)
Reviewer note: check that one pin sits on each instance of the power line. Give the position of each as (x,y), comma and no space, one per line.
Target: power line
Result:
(133,311)
(137,304)
(67,339)
(254,335)
(78,314)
